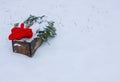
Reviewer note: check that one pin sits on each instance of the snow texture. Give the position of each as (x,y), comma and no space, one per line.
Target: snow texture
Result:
(86,48)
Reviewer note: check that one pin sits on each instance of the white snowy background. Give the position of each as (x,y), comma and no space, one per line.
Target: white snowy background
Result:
(86,48)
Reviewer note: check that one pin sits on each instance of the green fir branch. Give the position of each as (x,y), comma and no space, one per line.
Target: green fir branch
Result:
(49,32)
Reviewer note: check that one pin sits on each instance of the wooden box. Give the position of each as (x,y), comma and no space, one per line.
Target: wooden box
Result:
(26,48)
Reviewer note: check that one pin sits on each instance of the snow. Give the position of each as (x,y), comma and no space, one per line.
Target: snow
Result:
(86,48)
(17,44)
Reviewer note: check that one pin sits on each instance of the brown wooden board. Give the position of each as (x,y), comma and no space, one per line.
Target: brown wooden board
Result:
(26,48)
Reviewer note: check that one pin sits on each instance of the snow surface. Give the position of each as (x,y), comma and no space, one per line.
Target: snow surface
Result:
(86,48)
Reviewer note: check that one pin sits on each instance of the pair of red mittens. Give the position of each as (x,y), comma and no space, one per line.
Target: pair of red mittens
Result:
(18,33)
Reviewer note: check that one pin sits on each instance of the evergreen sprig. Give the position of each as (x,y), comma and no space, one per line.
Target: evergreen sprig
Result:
(48,32)
(16,24)
(32,19)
